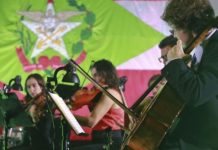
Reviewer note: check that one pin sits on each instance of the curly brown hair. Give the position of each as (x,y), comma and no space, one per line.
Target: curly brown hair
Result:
(191,15)
(107,71)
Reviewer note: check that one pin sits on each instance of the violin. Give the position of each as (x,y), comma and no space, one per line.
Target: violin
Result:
(38,100)
(83,97)
(36,107)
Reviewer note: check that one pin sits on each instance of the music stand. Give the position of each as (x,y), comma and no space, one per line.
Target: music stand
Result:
(66,91)
(11,115)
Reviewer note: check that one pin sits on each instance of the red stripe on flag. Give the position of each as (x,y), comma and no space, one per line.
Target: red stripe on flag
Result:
(50,1)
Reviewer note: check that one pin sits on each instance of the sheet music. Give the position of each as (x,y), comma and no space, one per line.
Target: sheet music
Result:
(67,113)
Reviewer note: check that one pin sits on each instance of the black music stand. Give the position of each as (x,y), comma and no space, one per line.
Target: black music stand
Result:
(66,91)
(11,115)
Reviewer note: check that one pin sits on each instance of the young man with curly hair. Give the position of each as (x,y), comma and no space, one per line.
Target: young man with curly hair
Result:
(197,86)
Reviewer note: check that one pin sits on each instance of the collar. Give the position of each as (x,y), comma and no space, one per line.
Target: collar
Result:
(210,33)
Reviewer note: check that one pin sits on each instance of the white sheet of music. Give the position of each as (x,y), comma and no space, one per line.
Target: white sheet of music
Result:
(67,113)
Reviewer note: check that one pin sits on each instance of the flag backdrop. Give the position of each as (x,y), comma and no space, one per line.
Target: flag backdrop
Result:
(125,32)
(108,29)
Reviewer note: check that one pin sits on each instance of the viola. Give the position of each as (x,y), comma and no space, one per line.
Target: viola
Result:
(83,97)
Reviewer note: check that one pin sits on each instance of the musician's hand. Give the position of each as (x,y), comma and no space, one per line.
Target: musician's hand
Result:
(176,52)
(72,98)
(69,102)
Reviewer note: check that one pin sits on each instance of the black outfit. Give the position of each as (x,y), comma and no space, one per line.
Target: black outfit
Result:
(101,140)
(198,125)
(41,135)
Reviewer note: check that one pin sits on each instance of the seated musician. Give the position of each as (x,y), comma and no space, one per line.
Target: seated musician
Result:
(106,117)
(165,45)
(38,107)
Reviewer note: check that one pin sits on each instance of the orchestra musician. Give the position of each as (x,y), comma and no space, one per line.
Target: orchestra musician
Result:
(165,45)
(106,117)
(38,105)
(197,128)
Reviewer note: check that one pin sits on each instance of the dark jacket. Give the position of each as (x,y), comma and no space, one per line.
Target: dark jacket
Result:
(199,120)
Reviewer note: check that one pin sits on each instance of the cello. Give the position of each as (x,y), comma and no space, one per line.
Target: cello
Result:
(163,111)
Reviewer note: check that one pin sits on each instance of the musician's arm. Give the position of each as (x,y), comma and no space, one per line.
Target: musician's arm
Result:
(101,108)
(197,87)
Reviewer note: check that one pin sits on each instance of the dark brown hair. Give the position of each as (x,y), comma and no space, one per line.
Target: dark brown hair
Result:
(191,15)
(168,41)
(107,71)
